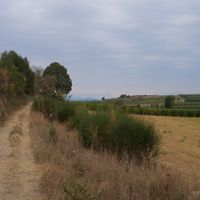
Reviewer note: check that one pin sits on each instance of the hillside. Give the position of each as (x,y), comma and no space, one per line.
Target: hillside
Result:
(184,101)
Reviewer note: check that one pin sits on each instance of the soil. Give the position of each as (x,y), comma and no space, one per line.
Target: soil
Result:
(19,174)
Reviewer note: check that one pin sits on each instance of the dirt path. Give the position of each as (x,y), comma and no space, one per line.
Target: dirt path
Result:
(19,175)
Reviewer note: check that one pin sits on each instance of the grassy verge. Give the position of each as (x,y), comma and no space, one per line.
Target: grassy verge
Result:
(53,108)
(117,133)
(72,172)
(112,131)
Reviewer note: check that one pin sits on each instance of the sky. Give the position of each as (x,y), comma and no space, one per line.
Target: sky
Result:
(109,47)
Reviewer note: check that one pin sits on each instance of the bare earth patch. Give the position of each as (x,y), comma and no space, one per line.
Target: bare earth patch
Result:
(19,175)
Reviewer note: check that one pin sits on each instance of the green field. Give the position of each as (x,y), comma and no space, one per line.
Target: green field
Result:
(185,105)
(182,101)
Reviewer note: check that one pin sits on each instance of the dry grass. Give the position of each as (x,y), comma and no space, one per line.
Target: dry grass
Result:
(180,142)
(14,136)
(74,173)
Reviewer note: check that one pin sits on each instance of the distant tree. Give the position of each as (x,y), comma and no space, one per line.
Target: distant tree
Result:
(122,96)
(103,98)
(63,83)
(169,101)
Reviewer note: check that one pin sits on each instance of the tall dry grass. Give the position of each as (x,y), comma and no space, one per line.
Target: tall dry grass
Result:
(72,172)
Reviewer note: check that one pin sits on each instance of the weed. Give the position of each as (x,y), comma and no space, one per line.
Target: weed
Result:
(52,134)
(65,112)
(77,191)
(184,138)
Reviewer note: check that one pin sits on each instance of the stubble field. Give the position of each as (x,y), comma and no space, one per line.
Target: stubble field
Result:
(180,144)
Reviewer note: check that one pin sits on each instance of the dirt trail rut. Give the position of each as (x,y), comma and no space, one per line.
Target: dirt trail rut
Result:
(19,175)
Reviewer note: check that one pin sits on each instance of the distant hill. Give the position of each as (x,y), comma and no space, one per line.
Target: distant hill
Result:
(189,101)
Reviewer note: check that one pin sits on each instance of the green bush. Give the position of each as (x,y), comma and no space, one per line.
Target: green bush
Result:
(134,137)
(118,133)
(45,105)
(162,112)
(53,108)
(94,129)
(65,112)
(78,116)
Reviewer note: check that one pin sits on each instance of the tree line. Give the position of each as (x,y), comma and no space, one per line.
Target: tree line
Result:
(19,80)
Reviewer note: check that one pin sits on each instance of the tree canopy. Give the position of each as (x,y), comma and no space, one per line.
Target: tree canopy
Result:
(169,101)
(63,83)
(18,67)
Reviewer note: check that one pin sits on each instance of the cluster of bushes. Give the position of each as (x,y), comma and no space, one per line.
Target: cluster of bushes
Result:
(163,112)
(117,133)
(113,131)
(94,106)
(53,108)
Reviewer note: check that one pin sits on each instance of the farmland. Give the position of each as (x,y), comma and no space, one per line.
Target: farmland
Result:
(180,141)
(108,149)
(184,101)
(183,105)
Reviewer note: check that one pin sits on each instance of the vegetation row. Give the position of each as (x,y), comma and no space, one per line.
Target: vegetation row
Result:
(114,132)
(163,112)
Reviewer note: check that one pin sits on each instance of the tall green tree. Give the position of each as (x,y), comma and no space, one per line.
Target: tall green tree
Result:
(63,83)
(16,64)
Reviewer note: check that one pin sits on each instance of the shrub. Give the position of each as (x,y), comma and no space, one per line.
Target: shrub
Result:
(78,117)
(78,191)
(53,108)
(134,137)
(94,130)
(86,129)
(65,112)
(119,134)
(52,134)
(4,81)
(45,105)
(163,112)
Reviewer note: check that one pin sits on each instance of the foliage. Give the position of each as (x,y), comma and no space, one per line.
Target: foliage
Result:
(112,131)
(45,85)
(17,85)
(4,81)
(65,112)
(45,105)
(63,82)
(169,101)
(78,117)
(77,191)
(16,65)
(52,134)
(118,133)
(162,111)
(135,137)
(53,108)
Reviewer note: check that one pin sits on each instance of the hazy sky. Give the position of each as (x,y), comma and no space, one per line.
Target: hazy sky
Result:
(109,47)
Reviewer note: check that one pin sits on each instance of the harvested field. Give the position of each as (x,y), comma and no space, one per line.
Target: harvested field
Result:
(180,141)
